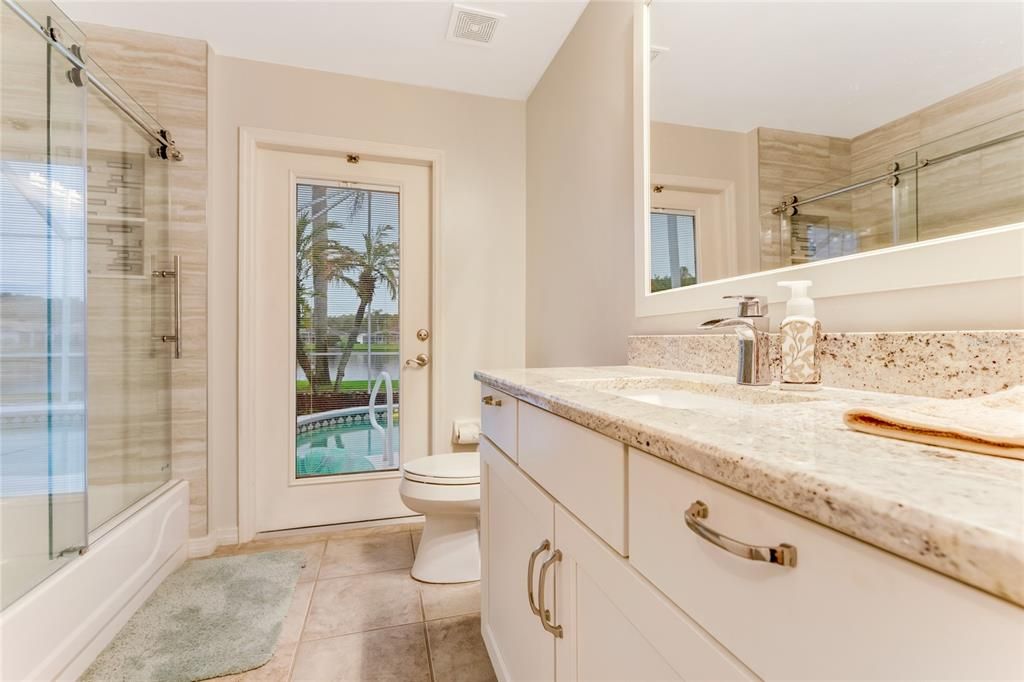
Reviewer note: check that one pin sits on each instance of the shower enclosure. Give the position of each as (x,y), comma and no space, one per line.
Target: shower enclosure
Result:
(969,180)
(88,298)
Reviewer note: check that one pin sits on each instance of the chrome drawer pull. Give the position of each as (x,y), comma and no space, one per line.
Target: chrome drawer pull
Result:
(545,614)
(489,400)
(544,546)
(783,555)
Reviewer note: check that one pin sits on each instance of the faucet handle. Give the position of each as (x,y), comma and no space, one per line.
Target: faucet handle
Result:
(748,305)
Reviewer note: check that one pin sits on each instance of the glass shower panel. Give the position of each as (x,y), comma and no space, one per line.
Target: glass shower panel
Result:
(42,305)
(130,308)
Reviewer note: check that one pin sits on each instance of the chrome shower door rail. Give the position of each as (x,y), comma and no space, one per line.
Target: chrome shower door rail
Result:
(166,148)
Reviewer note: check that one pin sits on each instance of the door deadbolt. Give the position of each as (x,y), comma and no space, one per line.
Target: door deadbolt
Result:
(422,334)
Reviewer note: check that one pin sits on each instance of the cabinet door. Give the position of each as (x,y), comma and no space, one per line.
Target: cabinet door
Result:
(617,626)
(516,518)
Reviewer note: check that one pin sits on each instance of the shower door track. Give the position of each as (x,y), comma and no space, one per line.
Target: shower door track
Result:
(166,146)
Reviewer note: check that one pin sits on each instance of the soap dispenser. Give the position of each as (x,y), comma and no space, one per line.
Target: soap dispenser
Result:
(801,340)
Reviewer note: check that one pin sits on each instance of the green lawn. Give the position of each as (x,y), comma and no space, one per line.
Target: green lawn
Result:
(302,386)
(378,347)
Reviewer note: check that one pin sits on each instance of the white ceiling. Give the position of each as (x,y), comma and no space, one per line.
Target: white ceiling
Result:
(838,68)
(382,39)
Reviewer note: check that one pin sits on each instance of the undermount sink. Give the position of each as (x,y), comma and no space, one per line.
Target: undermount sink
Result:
(682,394)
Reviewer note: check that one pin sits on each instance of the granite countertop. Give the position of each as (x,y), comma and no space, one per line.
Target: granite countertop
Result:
(959,513)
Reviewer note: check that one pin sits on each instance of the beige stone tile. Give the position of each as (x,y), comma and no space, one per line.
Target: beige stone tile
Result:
(416,535)
(397,653)
(444,601)
(341,606)
(457,651)
(295,620)
(367,554)
(277,669)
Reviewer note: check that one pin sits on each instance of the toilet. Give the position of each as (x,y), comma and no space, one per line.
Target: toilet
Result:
(446,490)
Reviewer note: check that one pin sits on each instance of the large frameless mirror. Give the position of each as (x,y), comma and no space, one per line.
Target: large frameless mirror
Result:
(784,134)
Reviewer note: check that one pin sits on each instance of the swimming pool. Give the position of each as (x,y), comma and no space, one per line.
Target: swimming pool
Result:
(328,449)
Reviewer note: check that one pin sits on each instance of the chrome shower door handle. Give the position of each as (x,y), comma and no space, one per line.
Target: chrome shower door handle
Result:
(545,615)
(544,546)
(174,274)
(781,555)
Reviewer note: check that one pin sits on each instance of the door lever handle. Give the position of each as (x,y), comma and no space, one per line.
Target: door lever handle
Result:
(421,360)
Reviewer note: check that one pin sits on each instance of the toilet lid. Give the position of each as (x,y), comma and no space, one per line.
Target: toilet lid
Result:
(458,468)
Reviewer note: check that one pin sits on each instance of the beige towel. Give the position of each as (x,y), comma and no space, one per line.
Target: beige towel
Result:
(991,424)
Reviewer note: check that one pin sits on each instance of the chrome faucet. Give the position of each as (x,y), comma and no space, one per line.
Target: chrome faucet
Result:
(751,323)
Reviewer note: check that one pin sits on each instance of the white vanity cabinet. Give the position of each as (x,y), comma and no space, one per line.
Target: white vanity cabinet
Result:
(602,619)
(563,600)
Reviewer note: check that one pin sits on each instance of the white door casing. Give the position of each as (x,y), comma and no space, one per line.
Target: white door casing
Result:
(270,495)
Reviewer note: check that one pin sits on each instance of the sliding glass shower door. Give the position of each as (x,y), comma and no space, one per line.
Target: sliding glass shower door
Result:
(88,300)
(131,307)
(42,307)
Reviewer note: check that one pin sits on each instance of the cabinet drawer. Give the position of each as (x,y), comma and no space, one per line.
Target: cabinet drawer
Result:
(616,626)
(498,418)
(846,610)
(583,470)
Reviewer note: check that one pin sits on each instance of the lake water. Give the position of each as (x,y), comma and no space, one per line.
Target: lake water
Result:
(361,366)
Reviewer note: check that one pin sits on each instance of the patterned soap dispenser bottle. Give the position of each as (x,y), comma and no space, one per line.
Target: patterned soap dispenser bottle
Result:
(801,340)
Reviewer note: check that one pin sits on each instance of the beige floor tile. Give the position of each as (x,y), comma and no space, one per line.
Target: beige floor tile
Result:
(295,620)
(396,654)
(342,606)
(444,601)
(416,535)
(277,669)
(366,554)
(457,651)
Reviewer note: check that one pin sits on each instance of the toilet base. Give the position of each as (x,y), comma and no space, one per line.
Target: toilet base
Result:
(449,550)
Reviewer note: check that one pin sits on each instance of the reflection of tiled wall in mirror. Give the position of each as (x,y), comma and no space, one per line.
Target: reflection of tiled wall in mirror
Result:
(979,190)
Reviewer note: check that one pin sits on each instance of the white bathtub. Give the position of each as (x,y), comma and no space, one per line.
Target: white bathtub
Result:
(56,630)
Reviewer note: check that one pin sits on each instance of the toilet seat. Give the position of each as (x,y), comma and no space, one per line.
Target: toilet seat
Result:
(461,468)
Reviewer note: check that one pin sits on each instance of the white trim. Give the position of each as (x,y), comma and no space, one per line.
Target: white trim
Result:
(200,547)
(249,141)
(995,254)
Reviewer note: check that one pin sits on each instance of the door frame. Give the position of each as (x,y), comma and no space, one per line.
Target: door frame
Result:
(250,142)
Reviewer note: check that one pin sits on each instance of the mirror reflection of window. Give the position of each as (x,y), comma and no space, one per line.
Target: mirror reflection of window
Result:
(673,250)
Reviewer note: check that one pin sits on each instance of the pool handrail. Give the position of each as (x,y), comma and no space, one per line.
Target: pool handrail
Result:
(383,377)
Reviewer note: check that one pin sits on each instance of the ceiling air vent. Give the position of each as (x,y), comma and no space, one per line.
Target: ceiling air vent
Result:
(473,26)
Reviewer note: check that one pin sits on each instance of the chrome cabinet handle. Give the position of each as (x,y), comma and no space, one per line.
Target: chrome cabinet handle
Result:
(421,360)
(545,615)
(491,400)
(782,555)
(544,546)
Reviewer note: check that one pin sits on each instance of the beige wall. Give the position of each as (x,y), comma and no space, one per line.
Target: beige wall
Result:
(579,150)
(580,221)
(482,236)
(167,76)
(719,155)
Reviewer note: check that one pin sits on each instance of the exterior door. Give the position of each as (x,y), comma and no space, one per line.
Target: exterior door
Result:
(340,320)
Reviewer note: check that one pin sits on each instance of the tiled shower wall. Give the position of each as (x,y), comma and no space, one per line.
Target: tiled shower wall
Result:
(167,76)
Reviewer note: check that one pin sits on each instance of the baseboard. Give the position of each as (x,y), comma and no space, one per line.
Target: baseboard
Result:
(202,546)
(227,536)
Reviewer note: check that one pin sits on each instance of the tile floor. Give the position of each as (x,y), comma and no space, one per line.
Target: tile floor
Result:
(357,614)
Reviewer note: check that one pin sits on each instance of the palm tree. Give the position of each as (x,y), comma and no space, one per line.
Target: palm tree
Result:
(363,270)
(318,258)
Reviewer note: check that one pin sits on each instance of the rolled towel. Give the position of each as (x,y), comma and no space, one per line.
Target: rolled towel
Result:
(990,425)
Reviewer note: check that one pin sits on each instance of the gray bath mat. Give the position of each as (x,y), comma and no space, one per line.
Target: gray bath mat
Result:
(211,617)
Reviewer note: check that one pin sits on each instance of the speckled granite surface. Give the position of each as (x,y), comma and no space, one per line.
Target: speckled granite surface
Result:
(958,513)
(931,364)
